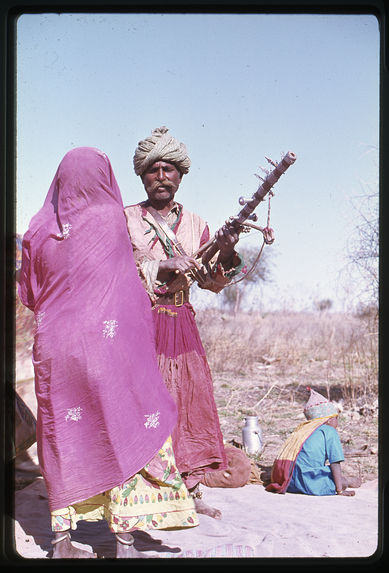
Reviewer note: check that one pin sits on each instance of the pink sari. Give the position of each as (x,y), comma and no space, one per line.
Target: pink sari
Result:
(103,409)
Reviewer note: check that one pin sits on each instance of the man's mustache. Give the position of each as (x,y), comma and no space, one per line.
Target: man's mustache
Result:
(165,183)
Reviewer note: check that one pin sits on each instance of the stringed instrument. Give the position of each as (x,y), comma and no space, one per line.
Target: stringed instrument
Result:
(246,215)
(241,222)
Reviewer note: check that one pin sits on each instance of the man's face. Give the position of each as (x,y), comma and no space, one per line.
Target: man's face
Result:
(161,181)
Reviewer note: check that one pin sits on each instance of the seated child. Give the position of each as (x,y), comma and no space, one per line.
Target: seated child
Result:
(309,461)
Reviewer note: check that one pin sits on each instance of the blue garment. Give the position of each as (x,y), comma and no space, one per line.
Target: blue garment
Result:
(310,474)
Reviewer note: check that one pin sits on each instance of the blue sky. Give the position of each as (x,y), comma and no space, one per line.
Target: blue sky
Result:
(234,88)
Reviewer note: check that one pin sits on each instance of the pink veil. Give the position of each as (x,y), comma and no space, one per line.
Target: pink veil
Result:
(103,409)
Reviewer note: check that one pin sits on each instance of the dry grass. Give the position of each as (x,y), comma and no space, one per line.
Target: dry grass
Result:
(262,365)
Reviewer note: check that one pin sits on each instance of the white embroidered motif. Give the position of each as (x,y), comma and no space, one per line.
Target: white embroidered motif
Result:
(110,328)
(65,231)
(39,318)
(74,414)
(152,420)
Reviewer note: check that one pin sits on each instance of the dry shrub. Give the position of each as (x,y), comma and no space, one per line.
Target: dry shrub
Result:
(262,364)
(24,328)
(340,351)
(335,352)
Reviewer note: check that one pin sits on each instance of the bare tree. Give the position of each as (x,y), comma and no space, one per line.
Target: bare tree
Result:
(364,245)
(234,295)
(323,305)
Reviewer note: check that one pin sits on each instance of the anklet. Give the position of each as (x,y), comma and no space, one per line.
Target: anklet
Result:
(66,535)
(124,541)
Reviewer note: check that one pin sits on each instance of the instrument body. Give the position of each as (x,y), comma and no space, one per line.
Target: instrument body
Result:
(241,222)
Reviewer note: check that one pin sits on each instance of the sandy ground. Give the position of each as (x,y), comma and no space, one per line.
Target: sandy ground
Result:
(254,523)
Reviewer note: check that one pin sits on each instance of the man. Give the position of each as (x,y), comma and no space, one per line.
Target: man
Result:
(165,237)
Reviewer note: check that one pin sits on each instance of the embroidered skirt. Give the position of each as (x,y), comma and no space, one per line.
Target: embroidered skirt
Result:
(154,498)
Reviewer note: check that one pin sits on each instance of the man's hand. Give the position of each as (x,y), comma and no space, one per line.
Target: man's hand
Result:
(176,265)
(180,263)
(226,239)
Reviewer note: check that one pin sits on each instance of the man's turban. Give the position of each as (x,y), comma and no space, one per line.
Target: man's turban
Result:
(160,146)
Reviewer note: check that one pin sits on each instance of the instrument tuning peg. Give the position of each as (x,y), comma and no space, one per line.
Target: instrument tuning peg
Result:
(259,177)
(243,200)
(264,170)
(271,161)
(253,217)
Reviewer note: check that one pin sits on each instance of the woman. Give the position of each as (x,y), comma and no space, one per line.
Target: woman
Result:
(104,414)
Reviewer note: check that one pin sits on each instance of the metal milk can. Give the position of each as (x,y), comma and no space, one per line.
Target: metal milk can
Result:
(252,435)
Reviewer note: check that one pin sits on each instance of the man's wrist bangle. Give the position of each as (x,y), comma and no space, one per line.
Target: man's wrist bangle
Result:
(339,491)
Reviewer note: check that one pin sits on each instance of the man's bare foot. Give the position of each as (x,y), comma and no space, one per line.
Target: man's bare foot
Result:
(202,507)
(125,547)
(348,492)
(63,549)
(205,509)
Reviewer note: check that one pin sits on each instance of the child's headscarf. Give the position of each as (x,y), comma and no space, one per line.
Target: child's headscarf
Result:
(318,406)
